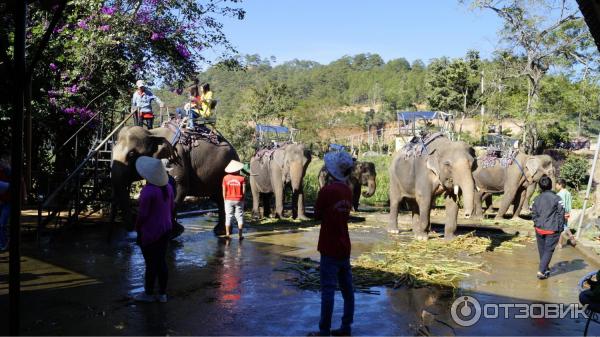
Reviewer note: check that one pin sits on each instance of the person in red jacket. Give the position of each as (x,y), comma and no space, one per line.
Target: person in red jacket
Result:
(234,188)
(333,206)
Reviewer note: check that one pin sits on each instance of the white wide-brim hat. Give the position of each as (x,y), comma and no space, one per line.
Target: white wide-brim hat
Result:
(339,164)
(234,166)
(140,84)
(152,170)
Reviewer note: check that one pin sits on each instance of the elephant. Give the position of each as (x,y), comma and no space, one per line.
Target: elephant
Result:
(516,182)
(198,171)
(272,172)
(363,174)
(444,167)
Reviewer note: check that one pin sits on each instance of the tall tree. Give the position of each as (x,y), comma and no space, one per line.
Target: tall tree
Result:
(540,32)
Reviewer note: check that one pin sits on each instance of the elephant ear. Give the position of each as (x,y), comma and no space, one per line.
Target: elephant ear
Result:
(433,164)
(532,164)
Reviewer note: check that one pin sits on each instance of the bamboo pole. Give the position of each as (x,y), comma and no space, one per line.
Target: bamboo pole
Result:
(589,188)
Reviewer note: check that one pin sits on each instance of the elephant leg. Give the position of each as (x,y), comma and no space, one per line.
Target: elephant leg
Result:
(267,199)
(278,191)
(451,214)
(356,196)
(517,202)
(489,200)
(295,204)
(414,211)
(478,200)
(424,204)
(301,214)
(507,199)
(255,200)
(529,192)
(393,216)
(219,228)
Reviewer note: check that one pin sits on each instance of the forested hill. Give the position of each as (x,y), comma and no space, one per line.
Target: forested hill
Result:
(310,96)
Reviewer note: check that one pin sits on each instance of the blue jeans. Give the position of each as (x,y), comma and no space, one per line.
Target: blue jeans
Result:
(4,215)
(334,271)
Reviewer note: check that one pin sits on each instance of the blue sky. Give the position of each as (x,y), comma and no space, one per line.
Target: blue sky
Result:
(325,30)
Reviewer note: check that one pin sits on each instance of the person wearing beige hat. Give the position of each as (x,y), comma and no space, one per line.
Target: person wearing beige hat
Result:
(153,225)
(234,188)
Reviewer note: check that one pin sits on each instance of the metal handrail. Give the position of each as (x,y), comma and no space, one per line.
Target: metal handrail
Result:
(89,156)
(75,134)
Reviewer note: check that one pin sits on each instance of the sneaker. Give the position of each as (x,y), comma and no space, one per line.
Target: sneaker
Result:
(341,332)
(162,298)
(143,297)
(542,276)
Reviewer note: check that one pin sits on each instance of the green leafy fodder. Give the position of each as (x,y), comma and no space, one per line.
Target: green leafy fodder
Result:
(435,262)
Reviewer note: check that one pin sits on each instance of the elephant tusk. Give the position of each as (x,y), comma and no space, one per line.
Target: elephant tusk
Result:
(456,188)
(478,189)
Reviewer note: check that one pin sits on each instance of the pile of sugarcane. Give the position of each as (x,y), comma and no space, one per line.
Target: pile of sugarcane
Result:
(435,262)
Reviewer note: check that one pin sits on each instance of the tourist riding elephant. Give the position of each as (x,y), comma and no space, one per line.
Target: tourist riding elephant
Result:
(198,171)
(418,177)
(363,174)
(516,181)
(270,172)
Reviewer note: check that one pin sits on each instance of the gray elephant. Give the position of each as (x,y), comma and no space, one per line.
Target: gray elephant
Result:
(198,171)
(363,174)
(271,171)
(516,182)
(441,167)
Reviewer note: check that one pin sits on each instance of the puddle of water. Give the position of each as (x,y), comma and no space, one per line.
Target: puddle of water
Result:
(221,287)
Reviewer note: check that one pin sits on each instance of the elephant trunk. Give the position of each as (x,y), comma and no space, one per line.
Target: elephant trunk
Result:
(122,175)
(296,171)
(467,186)
(371,186)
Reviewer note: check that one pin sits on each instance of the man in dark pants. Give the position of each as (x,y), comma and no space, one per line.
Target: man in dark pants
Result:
(548,219)
(333,208)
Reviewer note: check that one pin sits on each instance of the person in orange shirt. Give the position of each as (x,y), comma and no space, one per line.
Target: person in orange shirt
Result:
(234,188)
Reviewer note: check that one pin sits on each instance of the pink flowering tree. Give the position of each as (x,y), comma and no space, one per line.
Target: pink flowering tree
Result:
(84,57)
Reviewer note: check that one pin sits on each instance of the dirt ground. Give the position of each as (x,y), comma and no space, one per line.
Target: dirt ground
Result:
(79,284)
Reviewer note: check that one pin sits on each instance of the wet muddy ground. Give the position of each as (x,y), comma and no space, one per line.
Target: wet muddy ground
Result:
(78,284)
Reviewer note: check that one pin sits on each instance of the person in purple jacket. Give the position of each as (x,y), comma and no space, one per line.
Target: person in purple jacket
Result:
(153,225)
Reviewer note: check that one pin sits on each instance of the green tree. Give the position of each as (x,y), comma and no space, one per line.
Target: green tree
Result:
(541,34)
(268,101)
(84,57)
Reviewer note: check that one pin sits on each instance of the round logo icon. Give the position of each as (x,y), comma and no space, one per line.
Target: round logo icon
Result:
(465,311)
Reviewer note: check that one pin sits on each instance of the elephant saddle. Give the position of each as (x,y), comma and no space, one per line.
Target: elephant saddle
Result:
(418,145)
(264,153)
(190,138)
(494,156)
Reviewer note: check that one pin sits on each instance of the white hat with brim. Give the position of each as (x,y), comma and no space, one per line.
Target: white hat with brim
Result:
(339,165)
(140,84)
(234,166)
(152,170)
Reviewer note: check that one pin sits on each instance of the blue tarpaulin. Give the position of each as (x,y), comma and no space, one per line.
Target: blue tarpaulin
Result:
(271,128)
(409,116)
